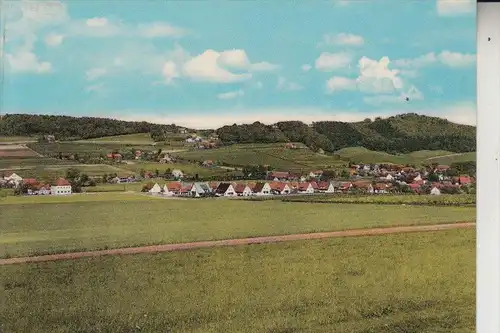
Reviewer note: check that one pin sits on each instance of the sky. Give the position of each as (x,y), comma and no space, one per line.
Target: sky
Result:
(210,63)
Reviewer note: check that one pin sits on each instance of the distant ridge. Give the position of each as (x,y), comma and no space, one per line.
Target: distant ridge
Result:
(397,134)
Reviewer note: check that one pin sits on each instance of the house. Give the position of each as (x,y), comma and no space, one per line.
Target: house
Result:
(208,163)
(190,140)
(315,174)
(415,187)
(464,180)
(225,190)
(243,190)
(389,177)
(13,179)
(345,187)
(61,187)
(305,188)
(326,187)
(280,188)
(114,156)
(435,191)
(173,188)
(262,189)
(381,188)
(315,186)
(166,191)
(200,190)
(290,145)
(278,175)
(177,174)
(156,189)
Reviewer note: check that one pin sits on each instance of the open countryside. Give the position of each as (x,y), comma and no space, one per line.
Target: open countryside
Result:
(132,194)
(285,168)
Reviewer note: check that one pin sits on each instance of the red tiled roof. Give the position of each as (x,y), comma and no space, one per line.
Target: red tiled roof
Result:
(240,188)
(323,185)
(174,186)
(280,174)
(464,179)
(278,186)
(314,185)
(303,186)
(31,181)
(62,182)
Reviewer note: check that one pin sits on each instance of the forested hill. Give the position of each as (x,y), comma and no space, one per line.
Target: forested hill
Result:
(75,128)
(398,134)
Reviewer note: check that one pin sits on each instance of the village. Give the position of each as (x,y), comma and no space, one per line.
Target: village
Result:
(362,179)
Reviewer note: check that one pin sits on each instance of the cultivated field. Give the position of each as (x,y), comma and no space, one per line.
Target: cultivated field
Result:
(16,139)
(139,138)
(16,151)
(111,220)
(422,282)
(272,154)
(411,199)
(363,155)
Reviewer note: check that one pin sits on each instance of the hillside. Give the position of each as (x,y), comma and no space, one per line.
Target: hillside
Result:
(398,134)
(76,128)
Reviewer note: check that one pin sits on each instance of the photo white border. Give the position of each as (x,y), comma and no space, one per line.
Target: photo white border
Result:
(488,168)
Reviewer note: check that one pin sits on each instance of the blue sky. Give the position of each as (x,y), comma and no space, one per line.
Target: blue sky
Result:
(209,63)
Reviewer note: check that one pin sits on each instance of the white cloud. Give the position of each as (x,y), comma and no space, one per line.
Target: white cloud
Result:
(455,7)
(205,67)
(455,59)
(27,61)
(376,77)
(306,67)
(238,59)
(95,73)
(231,94)
(462,113)
(94,88)
(160,29)
(413,94)
(170,71)
(447,58)
(343,39)
(97,22)
(337,83)
(23,20)
(328,62)
(285,85)
(54,39)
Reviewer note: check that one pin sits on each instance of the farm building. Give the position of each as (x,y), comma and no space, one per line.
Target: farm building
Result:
(13,178)
(326,187)
(177,174)
(305,188)
(61,187)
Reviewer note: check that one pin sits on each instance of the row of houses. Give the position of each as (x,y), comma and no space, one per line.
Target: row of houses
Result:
(59,187)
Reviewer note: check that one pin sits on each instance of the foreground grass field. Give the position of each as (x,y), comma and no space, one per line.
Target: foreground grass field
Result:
(411,283)
(127,220)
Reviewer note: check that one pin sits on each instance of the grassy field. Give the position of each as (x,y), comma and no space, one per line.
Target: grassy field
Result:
(412,283)
(363,155)
(16,139)
(139,138)
(272,154)
(447,160)
(189,169)
(440,200)
(110,220)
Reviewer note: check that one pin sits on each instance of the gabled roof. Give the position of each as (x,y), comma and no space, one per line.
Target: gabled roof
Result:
(304,186)
(201,188)
(280,174)
(258,187)
(240,188)
(323,185)
(62,182)
(31,181)
(222,188)
(174,186)
(278,186)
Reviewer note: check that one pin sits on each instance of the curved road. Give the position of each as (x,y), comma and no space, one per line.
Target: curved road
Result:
(234,242)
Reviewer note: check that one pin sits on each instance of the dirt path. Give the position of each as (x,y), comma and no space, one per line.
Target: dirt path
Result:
(440,156)
(234,242)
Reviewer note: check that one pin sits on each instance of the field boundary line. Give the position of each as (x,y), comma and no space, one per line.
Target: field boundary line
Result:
(235,242)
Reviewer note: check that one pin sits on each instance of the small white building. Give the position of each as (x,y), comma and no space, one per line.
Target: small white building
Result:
(389,177)
(61,187)
(330,189)
(243,190)
(14,179)
(435,191)
(167,192)
(225,190)
(156,189)
(262,189)
(306,188)
(177,174)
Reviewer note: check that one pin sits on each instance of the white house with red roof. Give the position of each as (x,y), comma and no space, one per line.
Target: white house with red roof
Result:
(280,188)
(306,188)
(61,187)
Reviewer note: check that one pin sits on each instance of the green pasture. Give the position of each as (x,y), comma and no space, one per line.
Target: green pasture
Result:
(35,225)
(411,283)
